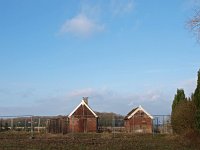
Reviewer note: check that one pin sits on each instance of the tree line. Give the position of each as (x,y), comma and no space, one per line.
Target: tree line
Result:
(186,111)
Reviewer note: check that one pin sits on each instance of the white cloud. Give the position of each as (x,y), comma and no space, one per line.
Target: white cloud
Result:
(119,7)
(90,16)
(190,4)
(81,26)
(102,100)
(81,92)
(106,100)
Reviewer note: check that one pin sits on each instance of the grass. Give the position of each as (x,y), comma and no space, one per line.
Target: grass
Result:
(107,141)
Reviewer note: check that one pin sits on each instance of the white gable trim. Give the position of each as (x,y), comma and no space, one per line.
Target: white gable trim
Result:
(82,103)
(138,109)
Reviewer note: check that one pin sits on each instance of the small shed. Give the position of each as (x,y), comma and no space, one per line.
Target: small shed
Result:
(83,118)
(138,120)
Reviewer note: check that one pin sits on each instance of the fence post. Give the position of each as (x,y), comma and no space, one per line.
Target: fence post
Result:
(32,136)
(113,125)
(39,125)
(163,124)
(11,123)
(1,125)
(153,126)
(25,125)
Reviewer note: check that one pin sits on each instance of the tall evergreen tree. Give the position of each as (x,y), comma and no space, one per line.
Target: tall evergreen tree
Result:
(196,96)
(180,96)
(196,100)
(197,119)
(183,117)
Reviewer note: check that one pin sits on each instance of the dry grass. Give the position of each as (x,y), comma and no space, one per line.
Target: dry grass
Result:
(108,141)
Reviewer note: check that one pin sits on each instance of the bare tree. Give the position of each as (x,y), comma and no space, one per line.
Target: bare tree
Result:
(194,24)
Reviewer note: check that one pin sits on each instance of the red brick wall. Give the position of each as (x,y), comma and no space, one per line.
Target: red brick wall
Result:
(82,125)
(83,120)
(139,123)
(92,125)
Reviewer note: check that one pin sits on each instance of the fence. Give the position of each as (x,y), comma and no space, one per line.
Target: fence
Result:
(24,123)
(160,124)
(57,125)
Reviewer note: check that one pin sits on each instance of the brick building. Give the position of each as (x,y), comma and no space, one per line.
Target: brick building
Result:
(83,118)
(138,121)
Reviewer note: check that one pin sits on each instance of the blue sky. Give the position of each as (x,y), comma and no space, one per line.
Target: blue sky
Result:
(119,53)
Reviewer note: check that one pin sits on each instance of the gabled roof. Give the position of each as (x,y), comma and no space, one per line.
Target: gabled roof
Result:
(135,110)
(82,103)
(132,111)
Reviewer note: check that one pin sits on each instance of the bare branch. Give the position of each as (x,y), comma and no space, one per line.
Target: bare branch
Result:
(194,24)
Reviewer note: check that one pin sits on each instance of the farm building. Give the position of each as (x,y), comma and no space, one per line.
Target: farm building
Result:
(138,121)
(83,118)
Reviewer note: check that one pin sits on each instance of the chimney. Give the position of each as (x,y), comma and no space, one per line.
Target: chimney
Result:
(85,100)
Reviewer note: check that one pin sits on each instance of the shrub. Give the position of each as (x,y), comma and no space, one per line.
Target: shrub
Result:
(197,119)
(183,117)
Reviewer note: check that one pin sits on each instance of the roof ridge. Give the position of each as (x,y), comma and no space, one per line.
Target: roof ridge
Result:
(133,111)
(83,103)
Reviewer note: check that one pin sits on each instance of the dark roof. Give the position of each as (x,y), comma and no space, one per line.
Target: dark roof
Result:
(126,117)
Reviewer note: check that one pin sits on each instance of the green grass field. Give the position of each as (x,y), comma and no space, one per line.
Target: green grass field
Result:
(101,141)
